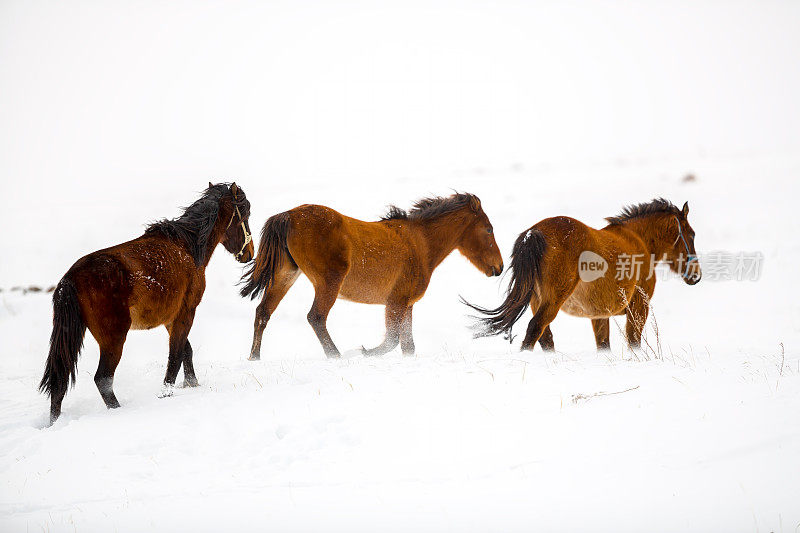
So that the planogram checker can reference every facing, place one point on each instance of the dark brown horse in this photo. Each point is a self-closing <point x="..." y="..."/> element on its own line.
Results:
<point x="156" y="279"/>
<point x="388" y="262"/>
<point x="562" y="264"/>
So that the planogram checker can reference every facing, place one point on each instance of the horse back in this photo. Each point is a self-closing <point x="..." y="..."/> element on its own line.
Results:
<point x="569" y="238"/>
<point x="371" y="256"/>
<point x="144" y="281"/>
<point x="592" y="293"/>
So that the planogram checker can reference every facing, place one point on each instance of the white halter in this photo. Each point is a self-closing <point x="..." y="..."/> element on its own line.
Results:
<point x="247" y="237"/>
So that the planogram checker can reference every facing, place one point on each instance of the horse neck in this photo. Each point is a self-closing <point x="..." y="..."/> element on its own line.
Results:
<point x="442" y="235"/>
<point x="220" y="226"/>
<point x="653" y="231"/>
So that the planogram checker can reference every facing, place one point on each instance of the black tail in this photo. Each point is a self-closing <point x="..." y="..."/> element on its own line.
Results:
<point x="272" y="251"/>
<point x="66" y="341"/>
<point x="526" y="262"/>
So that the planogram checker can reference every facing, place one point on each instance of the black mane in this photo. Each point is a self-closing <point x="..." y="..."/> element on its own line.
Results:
<point x="429" y="208"/>
<point x="193" y="227"/>
<point x="658" y="205"/>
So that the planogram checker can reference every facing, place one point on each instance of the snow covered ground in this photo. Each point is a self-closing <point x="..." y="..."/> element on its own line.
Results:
<point x="468" y="435"/>
<point x="115" y="115"/>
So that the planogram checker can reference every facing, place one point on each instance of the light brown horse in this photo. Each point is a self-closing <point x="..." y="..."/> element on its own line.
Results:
<point x="388" y="262"/>
<point x="158" y="278"/>
<point x="562" y="264"/>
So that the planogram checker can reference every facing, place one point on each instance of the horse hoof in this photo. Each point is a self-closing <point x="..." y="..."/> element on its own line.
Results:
<point x="190" y="383"/>
<point x="254" y="358"/>
<point x="366" y="352"/>
<point x="167" y="391"/>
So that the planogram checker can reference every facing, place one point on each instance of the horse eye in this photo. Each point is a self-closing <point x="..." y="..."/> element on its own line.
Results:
<point x="490" y="231"/>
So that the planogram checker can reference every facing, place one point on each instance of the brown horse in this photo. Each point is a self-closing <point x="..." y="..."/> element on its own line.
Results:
<point x="388" y="262"/>
<point x="156" y="279"/>
<point x="560" y="263"/>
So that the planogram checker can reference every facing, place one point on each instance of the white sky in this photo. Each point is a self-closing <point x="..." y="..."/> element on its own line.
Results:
<point x="283" y="90"/>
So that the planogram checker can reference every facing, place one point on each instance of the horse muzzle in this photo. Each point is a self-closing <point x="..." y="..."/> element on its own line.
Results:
<point x="692" y="279"/>
<point x="693" y="273"/>
<point x="496" y="271"/>
<point x="245" y="256"/>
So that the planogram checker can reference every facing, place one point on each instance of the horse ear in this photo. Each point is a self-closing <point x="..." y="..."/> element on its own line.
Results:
<point x="685" y="209"/>
<point x="234" y="189"/>
<point x="210" y="184"/>
<point x="475" y="203"/>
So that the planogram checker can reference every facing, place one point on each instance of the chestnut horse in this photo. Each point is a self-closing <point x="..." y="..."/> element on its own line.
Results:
<point x="388" y="262"/>
<point x="562" y="264"/>
<point x="156" y="279"/>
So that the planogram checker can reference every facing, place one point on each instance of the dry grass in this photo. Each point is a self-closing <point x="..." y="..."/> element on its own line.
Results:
<point x="651" y="347"/>
<point x="585" y="397"/>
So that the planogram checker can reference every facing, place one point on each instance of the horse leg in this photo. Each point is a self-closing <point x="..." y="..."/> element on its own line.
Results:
<point x="189" y="377"/>
<point x="324" y="297"/>
<point x="406" y="338"/>
<point x="110" y="354"/>
<point x="178" y="334"/>
<point x="636" y="314"/>
<point x="602" y="332"/>
<point x="394" y="319"/>
<point x="541" y="320"/>
<point x="57" y="396"/>
<point x="545" y="309"/>
<point x="546" y="340"/>
<point x="280" y="285"/>
<point x="545" y="306"/>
